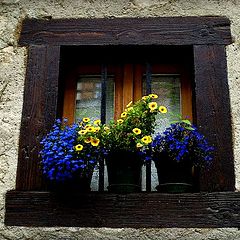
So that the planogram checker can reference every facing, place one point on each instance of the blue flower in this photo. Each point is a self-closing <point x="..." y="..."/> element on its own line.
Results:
<point x="179" y="143"/>
<point x="59" y="160"/>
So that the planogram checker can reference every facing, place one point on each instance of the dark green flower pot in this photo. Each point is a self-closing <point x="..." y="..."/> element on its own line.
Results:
<point x="173" y="176"/>
<point x="124" y="172"/>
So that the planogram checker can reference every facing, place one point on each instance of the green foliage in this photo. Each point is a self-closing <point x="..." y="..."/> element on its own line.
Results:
<point x="133" y="130"/>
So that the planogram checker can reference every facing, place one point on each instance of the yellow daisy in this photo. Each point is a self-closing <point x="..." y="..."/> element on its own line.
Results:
<point x="146" y="139"/>
<point x="139" y="145"/>
<point x="129" y="109"/>
<point x="96" y="129"/>
<point x="82" y="132"/>
<point x="97" y="122"/>
<point x="144" y="98"/>
<point x="90" y="129"/>
<point x="95" y="142"/>
<point x="79" y="147"/>
<point x="129" y="104"/>
<point x="152" y="106"/>
<point x="162" y="109"/>
<point x="120" y="121"/>
<point x="123" y="115"/>
<point x="106" y="128"/>
<point x="87" y="140"/>
<point x="152" y="95"/>
<point x="149" y="139"/>
<point x="137" y="131"/>
<point x="86" y="120"/>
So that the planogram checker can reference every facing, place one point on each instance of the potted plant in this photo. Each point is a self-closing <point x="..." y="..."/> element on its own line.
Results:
<point x="176" y="152"/>
<point x="124" y="141"/>
<point x="70" y="153"/>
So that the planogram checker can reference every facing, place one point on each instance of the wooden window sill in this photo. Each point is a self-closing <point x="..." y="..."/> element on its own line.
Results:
<point x="138" y="210"/>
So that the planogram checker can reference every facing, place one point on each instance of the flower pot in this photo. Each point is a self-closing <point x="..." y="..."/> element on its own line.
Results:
<point x="76" y="184"/>
<point x="173" y="176"/>
<point x="124" y="172"/>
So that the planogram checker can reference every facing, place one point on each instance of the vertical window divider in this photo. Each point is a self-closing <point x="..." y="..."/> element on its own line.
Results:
<point x="103" y="121"/>
<point x="148" y="91"/>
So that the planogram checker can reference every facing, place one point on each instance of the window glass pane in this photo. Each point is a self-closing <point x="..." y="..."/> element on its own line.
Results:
<point x="168" y="89"/>
<point x="88" y="97"/>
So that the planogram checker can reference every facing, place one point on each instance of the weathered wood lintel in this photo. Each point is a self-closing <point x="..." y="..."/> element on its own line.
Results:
<point x="127" y="31"/>
<point x="219" y="209"/>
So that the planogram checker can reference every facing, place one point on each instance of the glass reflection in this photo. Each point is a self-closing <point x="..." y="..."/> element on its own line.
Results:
<point x="88" y="97"/>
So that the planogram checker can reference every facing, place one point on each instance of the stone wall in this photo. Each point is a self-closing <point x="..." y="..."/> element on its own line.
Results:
<point x="12" y="73"/>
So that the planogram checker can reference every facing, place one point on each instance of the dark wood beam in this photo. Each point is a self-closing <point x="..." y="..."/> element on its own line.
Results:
<point x="214" y="115"/>
<point x="155" y="210"/>
<point x="39" y="112"/>
<point x="127" y="31"/>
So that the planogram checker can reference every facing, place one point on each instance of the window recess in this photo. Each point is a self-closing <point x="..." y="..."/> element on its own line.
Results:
<point x="102" y="91"/>
<point x="217" y="205"/>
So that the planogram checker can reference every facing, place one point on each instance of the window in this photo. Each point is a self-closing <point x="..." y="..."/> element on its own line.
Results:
<point x="207" y="37"/>
<point x="170" y="73"/>
<point x="126" y="69"/>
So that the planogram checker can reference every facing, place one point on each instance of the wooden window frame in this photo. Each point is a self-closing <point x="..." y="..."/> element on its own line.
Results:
<point x="30" y="205"/>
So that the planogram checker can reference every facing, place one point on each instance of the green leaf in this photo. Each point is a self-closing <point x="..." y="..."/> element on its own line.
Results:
<point x="186" y="121"/>
<point x="189" y="128"/>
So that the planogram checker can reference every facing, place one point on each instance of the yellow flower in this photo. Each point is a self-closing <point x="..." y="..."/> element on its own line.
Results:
<point x="139" y="145"/>
<point x="79" y="147"/>
<point x="129" y="104"/>
<point x="152" y="106"/>
<point x="90" y="129"/>
<point x="86" y="120"/>
<point x="95" y="142"/>
<point x="106" y="128"/>
<point x="152" y="95"/>
<point x="87" y="140"/>
<point x="162" y="109"/>
<point x="123" y="115"/>
<point x="82" y="132"/>
<point x="144" y="98"/>
<point x="120" y="121"/>
<point x="129" y="109"/>
<point x="147" y="139"/>
<point x="97" y="122"/>
<point x="96" y="129"/>
<point x="137" y="131"/>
